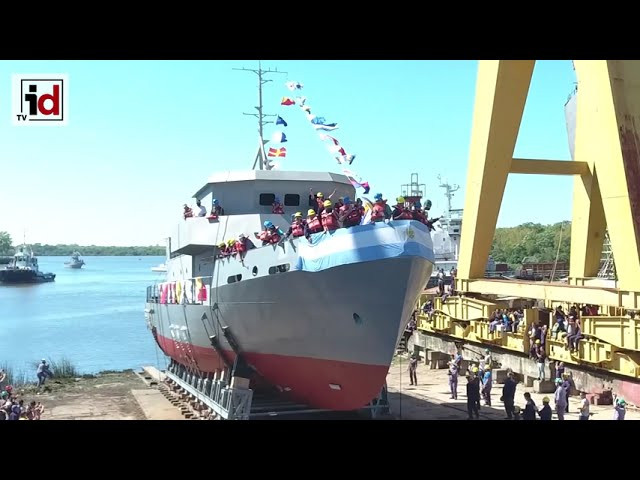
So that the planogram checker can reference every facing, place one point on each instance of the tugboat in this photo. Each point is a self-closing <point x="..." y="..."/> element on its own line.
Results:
<point x="75" y="262"/>
<point x="23" y="268"/>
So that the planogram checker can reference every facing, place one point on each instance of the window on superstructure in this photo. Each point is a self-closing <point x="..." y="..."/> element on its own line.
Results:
<point x="267" y="198"/>
<point x="234" y="278"/>
<point x="291" y="200"/>
<point x="285" y="267"/>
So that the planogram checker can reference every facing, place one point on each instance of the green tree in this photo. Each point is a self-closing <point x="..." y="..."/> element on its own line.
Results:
<point x="5" y="243"/>
<point x="533" y="240"/>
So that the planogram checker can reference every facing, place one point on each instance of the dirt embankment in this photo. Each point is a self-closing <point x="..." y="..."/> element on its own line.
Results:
<point x="106" y="396"/>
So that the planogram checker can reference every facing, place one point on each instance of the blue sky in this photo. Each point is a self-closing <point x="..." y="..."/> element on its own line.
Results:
<point x="143" y="137"/>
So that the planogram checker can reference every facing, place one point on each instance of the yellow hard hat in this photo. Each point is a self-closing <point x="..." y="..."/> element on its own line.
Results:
<point x="222" y="245"/>
<point x="474" y="369"/>
<point x="231" y="242"/>
<point x="319" y="194"/>
<point x="327" y="203"/>
<point x="400" y="199"/>
<point x="538" y="342"/>
<point x="487" y="367"/>
<point x="545" y="400"/>
<point x="311" y="212"/>
<point x="298" y="214"/>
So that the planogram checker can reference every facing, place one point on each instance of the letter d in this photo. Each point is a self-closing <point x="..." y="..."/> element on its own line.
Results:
<point x="55" y="98"/>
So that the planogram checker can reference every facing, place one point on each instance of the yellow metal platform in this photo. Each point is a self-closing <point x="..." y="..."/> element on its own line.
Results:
<point x="606" y="171"/>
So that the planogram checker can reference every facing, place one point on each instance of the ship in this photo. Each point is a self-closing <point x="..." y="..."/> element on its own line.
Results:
<point x="75" y="261"/>
<point x="447" y="229"/>
<point x="23" y="268"/>
<point x="162" y="268"/>
<point x="316" y="320"/>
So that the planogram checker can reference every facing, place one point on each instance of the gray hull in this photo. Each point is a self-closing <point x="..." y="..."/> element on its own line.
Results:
<point x="327" y="338"/>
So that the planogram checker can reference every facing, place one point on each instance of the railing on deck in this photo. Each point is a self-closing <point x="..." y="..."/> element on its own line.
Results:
<point x="191" y="292"/>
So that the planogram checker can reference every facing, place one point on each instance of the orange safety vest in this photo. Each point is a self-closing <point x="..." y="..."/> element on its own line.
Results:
<point x="353" y="216"/>
<point x="273" y="237"/>
<point x="314" y="225"/>
<point x="377" y="213"/>
<point x="297" y="229"/>
<point x="405" y="215"/>
<point x="277" y="208"/>
<point x="240" y="247"/>
<point x="330" y="220"/>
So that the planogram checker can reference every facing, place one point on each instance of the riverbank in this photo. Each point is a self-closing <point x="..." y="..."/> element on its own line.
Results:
<point x="105" y="396"/>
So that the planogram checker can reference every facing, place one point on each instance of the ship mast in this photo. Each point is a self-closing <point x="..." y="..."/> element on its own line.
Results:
<point x="260" y="156"/>
<point x="449" y="190"/>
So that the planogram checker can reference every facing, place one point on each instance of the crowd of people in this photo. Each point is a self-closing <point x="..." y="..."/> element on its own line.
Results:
<point x="327" y="216"/>
<point x="12" y="406"/>
<point x="479" y="385"/>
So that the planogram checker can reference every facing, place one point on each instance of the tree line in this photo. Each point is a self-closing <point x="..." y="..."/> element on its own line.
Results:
<point x="511" y="245"/>
<point x="39" y="249"/>
<point x="533" y="241"/>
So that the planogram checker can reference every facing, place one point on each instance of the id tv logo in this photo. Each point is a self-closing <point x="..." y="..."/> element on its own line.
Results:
<point x="40" y="99"/>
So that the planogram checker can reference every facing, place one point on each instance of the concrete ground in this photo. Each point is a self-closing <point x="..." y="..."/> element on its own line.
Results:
<point x="431" y="398"/>
<point x="106" y="397"/>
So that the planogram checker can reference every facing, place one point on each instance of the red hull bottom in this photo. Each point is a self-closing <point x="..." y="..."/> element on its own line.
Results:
<point x="308" y="379"/>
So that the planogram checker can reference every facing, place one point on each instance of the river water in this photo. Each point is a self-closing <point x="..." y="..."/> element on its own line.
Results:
<point x="93" y="316"/>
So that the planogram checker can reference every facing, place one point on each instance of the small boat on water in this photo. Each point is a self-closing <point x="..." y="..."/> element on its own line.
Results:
<point x="23" y="268"/>
<point x="160" y="268"/>
<point x="75" y="262"/>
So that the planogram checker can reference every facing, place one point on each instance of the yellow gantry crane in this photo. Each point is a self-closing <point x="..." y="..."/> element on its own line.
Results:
<point x="606" y="198"/>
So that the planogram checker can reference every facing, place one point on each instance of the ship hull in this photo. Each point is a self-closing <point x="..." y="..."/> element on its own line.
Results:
<point x="74" y="265"/>
<point x="325" y="338"/>
<point x="25" y="276"/>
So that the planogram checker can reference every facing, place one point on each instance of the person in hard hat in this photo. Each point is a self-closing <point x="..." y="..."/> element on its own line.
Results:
<point x="619" y="409"/>
<point x="318" y="199"/>
<point x="545" y="413"/>
<point x="378" y="210"/>
<point x="277" y="207"/>
<point x="400" y="211"/>
<point x="231" y="247"/>
<point x="222" y="250"/>
<point x="349" y="214"/>
<point x="487" y="383"/>
<point x="509" y="395"/>
<point x="216" y="209"/>
<point x="329" y="217"/>
<point x="473" y="394"/>
<point x="271" y="235"/>
<point x="313" y="224"/>
<point x="242" y="245"/>
<point x="297" y="227"/>
<point x="560" y="398"/>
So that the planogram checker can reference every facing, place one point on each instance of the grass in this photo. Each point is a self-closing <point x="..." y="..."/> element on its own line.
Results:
<point x="62" y="368"/>
<point x="14" y="377"/>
